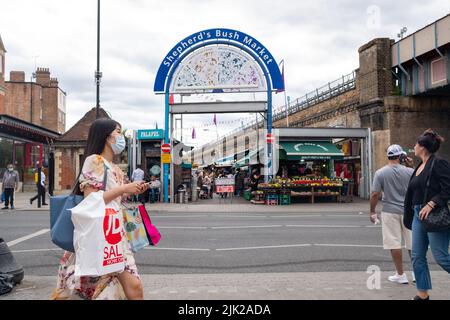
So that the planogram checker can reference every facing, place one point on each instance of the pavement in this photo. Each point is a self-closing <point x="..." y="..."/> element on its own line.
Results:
<point x="259" y="286"/>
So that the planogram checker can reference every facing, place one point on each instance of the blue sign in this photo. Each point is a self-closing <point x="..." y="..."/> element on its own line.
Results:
<point x="211" y="36"/>
<point x="152" y="134"/>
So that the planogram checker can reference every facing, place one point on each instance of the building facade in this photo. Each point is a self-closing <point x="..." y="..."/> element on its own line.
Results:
<point x="32" y="117"/>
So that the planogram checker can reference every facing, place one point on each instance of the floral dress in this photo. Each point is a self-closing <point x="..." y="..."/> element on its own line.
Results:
<point x="106" y="287"/>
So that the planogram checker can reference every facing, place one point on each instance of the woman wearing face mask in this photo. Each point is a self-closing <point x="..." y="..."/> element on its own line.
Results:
<point x="104" y="142"/>
<point x="418" y="208"/>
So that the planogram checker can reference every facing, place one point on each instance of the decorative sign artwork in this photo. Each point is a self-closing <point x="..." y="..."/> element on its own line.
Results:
<point x="218" y="69"/>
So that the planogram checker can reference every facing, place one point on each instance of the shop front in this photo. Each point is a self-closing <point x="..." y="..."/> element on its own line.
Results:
<point x="24" y="145"/>
<point x="149" y="151"/>
<point x="306" y="173"/>
<point x="316" y="165"/>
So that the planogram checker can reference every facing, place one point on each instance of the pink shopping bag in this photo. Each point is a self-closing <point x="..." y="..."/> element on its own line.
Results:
<point x="153" y="234"/>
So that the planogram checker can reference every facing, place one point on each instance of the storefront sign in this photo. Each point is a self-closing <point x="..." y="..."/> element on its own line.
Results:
<point x="152" y="134"/>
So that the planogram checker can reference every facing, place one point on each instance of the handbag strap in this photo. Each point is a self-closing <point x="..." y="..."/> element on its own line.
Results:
<point x="428" y="182"/>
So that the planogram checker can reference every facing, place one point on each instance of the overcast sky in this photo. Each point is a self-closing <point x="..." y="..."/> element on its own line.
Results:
<point x="318" y="40"/>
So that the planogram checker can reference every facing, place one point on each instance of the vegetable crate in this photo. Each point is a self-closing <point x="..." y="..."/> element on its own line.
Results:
<point x="272" y="199"/>
<point x="285" y="199"/>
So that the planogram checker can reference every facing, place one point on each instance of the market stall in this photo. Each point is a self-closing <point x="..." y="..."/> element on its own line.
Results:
<point x="284" y="190"/>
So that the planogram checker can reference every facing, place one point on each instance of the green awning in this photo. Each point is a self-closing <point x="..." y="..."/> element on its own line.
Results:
<point x="311" y="150"/>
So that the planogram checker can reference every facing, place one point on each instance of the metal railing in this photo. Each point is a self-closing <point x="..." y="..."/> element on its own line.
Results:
<point x="326" y="92"/>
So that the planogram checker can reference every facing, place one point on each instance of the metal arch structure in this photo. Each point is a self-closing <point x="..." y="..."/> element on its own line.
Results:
<point x="219" y="37"/>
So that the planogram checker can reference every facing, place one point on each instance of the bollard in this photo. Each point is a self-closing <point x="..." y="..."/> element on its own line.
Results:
<point x="8" y="264"/>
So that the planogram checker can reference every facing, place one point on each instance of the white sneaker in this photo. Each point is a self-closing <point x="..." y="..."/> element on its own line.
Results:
<point x="413" y="277"/>
<point x="402" y="279"/>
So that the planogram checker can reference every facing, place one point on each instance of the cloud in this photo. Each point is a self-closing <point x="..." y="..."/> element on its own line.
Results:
<point x="318" y="40"/>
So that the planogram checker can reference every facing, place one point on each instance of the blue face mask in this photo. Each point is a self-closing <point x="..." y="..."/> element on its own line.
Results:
<point x="119" y="145"/>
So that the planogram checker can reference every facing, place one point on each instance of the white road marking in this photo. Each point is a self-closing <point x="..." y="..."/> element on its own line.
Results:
<point x="168" y="216"/>
<point x="159" y="227"/>
<point x="36" y="250"/>
<point x="320" y="226"/>
<point x="266" y="247"/>
<point x="247" y="227"/>
<point x="347" y="245"/>
<point x="176" y="249"/>
<point x="28" y="237"/>
<point x="232" y="249"/>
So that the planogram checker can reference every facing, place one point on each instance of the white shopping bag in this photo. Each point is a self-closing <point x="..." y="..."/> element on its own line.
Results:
<point x="97" y="237"/>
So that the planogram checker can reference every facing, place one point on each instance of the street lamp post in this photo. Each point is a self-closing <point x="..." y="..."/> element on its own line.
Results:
<point x="98" y="74"/>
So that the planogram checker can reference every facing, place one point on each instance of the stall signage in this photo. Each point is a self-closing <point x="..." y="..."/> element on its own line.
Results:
<point x="224" y="182"/>
<point x="223" y="189"/>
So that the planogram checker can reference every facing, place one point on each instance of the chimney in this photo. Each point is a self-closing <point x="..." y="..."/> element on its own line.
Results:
<point x="54" y="82"/>
<point x="43" y="76"/>
<point x="17" y="76"/>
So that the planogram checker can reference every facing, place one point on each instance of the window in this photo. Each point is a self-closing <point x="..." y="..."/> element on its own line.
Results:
<point x="438" y="72"/>
<point x="1" y="63"/>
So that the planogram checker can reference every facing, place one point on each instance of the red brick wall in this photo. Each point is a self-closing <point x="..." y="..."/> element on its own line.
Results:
<point x="50" y="110"/>
<point x="18" y="101"/>
<point x="67" y="169"/>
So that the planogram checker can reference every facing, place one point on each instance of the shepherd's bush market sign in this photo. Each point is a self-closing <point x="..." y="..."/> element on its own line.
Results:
<point x="204" y="38"/>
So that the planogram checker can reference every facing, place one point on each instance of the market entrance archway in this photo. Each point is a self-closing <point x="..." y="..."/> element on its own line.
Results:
<point x="216" y="61"/>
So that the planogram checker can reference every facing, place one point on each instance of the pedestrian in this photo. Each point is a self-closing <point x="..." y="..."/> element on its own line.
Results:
<point x="40" y="185"/>
<point x="254" y="180"/>
<point x="10" y="183"/>
<point x="138" y="175"/>
<point x="155" y="186"/>
<point x="104" y="142"/>
<point x="239" y="182"/>
<point x="391" y="182"/>
<point x="418" y="208"/>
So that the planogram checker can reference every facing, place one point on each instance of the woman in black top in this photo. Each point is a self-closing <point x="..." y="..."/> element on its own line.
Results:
<point x="417" y="208"/>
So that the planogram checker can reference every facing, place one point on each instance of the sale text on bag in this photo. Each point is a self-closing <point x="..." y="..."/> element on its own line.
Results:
<point x="112" y="229"/>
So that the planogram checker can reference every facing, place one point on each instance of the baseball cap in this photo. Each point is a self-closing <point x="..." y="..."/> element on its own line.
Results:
<point x="395" y="150"/>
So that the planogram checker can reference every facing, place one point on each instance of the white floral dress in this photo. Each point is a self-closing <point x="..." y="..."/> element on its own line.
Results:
<point x="106" y="287"/>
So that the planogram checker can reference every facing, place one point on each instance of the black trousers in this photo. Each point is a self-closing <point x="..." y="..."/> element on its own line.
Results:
<point x="41" y="193"/>
<point x="9" y="197"/>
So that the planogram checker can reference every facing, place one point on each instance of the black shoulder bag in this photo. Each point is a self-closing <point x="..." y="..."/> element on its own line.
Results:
<point x="439" y="217"/>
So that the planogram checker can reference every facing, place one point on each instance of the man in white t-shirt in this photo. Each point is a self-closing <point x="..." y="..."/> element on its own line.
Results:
<point x="392" y="181"/>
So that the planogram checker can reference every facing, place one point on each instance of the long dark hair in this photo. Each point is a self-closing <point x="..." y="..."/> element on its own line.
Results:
<point x="99" y="131"/>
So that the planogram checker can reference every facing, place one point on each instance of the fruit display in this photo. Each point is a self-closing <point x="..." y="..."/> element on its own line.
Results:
<point x="301" y="182"/>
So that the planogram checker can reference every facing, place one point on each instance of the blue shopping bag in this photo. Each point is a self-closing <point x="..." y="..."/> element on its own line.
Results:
<point x="61" y="225"/>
